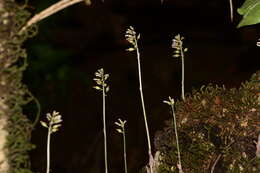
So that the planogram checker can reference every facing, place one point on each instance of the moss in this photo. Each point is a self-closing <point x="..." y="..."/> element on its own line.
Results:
<point x="214" y="123"/>
<point x="13" y="93"/>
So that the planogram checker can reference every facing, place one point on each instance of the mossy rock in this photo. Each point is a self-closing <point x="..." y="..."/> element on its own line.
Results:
<point x="216" y="126"/>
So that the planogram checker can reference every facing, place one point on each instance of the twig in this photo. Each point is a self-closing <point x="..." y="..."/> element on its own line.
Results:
<point x="51" y="10"/>
<point x="215" y="163"/>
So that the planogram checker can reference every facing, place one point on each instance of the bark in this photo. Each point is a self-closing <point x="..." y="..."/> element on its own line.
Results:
<point x="15" y="128"/>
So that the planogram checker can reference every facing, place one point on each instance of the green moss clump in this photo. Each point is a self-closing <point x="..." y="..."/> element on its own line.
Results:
<point x="216" y="127"/>
<point x="13" y="93"/>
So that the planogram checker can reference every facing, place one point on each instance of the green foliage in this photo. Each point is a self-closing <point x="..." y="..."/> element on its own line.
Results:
<point x="214" y="123"/>
<point x="251" y="13"/>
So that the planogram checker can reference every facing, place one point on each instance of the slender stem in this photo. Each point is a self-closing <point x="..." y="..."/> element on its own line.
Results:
<point x="231" y="10"/>
<point x="215" y="163"/>
<point x="35" y="122"/>
<point x="143" y="106"/>
<point x="125" y="161"/>
<point x="104" y="125"/>
<point x="177" y="139"/>
<point x="182" y="75"/>
<point x="48" y="148"/>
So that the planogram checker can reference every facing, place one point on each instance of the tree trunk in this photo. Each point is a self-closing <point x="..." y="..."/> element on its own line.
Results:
<point x="15" y="128"/>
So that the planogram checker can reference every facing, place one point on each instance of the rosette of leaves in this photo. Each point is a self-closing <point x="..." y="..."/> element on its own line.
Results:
<point x="218" y="131"/>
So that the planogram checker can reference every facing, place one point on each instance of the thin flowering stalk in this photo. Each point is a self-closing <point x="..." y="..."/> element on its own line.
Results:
<point x="54" y="122"/>
<point x="132" y="38"/>
<point x="121" y="125"/>
<point x="171" y="103"/>
<point x="100" y="80"/>
<point x="177" y="44"/>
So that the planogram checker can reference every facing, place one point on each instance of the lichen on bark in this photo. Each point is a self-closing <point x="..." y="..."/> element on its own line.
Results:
<point x="15" y="128"/>
<point x="218" y="130"/>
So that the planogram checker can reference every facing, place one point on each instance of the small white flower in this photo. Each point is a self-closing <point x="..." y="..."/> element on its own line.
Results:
<point x="100" y="80"/>
<point x="54" y="121"/>
<point x="258" y="43"/>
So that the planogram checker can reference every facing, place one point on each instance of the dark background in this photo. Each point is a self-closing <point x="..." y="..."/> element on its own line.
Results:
<point x="72" y="44"/>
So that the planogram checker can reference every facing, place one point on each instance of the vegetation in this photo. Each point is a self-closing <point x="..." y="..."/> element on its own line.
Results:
<point x="53" y="125"/>
<point x="15" y="127"/>
<point x="133" y="38"/>
<point x="100" y="79"/>
<point x="218" y="129"/>
<point x="121" y="125"/>
<point x="177" y="44"/>
<point x="250" y="11"/>
<point x="171" y="103"/>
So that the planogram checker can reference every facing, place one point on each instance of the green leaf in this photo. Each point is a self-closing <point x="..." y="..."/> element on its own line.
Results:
<point x="250" y="11"/>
